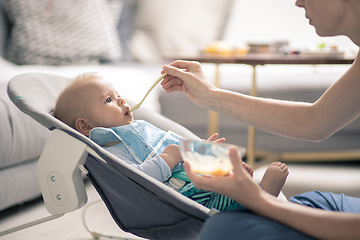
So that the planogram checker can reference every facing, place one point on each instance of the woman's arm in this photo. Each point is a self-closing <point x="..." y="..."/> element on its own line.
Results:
<point x="241" y="187"/>
<point x="318" y="223"/>
<point x="308" y="121"/>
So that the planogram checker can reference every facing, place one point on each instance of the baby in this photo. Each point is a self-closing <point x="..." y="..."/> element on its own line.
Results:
<point x="92" y="106"/>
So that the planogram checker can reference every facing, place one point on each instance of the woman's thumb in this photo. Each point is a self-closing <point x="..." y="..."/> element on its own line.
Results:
<point x="234" y="157"/>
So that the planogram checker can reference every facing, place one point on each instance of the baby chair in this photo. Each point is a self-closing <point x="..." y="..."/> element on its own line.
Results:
<point x="138" y="203"/>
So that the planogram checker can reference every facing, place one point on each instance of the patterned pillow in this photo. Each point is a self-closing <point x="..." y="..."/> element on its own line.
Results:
<point x="62" y="32"/>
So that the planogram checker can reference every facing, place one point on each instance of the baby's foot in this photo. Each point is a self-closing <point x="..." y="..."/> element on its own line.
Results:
<point x="248" y="168"/>
<point x="274" y="178"/>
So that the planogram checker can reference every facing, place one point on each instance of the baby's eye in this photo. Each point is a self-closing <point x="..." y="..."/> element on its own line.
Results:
<point x="108" y="100"/>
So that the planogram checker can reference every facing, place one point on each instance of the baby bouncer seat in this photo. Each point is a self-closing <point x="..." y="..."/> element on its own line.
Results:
<point x="138" y="203"/>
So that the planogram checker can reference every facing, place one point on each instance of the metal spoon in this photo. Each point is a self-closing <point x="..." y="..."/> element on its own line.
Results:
<point x="139" y="104"/>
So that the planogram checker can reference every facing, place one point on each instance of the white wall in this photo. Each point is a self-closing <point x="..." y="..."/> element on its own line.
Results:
<point x="273" y="20"/>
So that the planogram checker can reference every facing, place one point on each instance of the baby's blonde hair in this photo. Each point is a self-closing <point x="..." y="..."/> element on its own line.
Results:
<point x="69" y="107"/>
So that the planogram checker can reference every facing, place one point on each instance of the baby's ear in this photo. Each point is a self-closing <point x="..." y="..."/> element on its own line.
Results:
<point x="82" y="126"/>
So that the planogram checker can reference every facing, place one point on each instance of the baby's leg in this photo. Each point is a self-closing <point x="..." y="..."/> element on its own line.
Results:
<point x="274" y="178"/>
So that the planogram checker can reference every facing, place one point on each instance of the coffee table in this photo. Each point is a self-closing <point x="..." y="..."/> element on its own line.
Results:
<point x="255" y="60"/>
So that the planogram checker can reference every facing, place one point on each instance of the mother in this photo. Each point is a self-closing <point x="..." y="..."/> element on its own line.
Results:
<point x="304" y="216"/>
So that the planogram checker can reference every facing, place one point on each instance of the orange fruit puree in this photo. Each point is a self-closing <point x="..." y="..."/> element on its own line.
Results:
<point x="215" y="173"/>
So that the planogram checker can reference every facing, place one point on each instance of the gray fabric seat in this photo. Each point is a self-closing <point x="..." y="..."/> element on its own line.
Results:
<point x="138" y="203"/>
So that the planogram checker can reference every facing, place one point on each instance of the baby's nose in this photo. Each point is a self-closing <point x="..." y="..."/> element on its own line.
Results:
<point x="121" y="101"/>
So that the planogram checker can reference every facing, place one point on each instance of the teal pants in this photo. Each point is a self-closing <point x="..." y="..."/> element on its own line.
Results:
<point x="210" y="199"/>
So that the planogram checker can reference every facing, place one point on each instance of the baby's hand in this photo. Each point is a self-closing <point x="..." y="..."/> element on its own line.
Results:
<point x="213" y="138"/>
<point x="171" y="155"/>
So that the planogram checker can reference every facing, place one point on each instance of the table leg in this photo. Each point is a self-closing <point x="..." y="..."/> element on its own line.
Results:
<point x="251" y="130"/>
<point x="213" y="122"/>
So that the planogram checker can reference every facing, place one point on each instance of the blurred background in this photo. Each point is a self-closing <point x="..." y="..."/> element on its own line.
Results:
<point x="129" y="41"/>
<point x="262" y="21"/>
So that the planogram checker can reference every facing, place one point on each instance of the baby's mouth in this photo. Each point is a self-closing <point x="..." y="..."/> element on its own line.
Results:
<point x="128" y="113"/>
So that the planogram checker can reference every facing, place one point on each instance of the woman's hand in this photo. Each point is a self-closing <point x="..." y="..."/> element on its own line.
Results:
<point x="237" y="185"/>
<point x="189" y="78"/>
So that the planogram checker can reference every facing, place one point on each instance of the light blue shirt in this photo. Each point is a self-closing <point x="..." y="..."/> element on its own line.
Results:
<point x="141" y="144"/>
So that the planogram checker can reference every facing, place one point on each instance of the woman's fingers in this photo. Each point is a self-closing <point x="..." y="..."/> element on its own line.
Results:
<point x="235" y="159"/>
<point x="180" y="64"/>
<point x="205" y="183"/>
<point x="171" y="81"/>
<point x="192" y="176"/>
<point x="174" y="71"/>
<point x="182" y="69"/>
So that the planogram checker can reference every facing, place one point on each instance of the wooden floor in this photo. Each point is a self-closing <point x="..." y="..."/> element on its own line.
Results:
<point x="68" y="227"/>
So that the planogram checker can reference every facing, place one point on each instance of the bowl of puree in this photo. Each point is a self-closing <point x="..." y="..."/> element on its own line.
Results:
<point x="208" y="158"/>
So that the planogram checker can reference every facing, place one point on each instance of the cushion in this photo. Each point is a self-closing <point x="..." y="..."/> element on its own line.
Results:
<point x="165" y="27"/>
<point x="63" y="32"/>
<point x="4" y="28"/>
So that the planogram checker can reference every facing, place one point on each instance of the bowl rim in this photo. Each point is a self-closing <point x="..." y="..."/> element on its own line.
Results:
<point x="243" y="149"/>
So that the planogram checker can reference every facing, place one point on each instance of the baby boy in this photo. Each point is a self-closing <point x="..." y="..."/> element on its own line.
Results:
<point x="92" y="106"/>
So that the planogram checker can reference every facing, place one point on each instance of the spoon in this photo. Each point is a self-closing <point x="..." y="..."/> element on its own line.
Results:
<point x="139" y="104"/>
